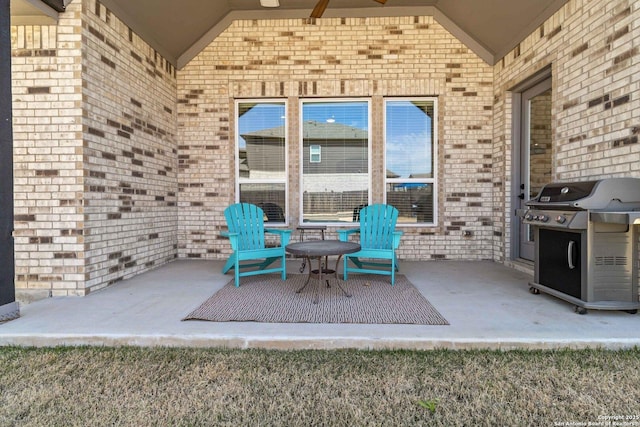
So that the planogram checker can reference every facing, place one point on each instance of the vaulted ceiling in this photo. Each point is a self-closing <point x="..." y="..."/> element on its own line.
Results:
<point x="179" y="30"/>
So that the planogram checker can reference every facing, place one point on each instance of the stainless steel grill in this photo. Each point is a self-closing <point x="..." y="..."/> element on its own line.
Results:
<point x="586" y="243"/>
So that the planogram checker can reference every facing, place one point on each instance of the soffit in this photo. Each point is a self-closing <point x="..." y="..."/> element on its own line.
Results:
<point x="180" y="29"/>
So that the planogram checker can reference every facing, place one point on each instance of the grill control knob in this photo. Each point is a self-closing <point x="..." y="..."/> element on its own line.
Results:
<point x="544" y="218"/>
<point x="561" y="219"/>
<point x="528" y="217"/>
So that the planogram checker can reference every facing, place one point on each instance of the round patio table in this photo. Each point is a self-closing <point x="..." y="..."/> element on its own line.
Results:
<point x="317" y="249"/>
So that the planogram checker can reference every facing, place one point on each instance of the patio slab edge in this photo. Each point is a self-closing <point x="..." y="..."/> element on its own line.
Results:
<point x="311" y="343"/>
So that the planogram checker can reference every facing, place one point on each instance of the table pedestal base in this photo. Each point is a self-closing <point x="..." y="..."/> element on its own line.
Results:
<point x="318" y="276"/>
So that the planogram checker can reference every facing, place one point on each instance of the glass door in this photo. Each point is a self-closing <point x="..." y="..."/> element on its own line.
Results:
<point x="535" y="154"/>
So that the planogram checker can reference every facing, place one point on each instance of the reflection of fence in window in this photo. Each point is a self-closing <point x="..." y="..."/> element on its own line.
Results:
<point x="332" y="206"/>
<point x="272" y="202"/>
<point x="413" y="201"/>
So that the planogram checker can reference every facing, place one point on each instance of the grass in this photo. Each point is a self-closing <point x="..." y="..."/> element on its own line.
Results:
<point x="82" y="386"/>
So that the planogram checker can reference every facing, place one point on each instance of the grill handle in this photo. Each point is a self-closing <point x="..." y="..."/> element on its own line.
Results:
<point x="570" y="248"/>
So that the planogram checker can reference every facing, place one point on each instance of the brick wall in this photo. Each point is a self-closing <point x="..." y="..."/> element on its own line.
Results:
<point x="130" y="154"/>
<point x="47" y="132"/>
<point x="359" y="57"/>
<point x="592" y="50"/>
<point x="95" y="154"/>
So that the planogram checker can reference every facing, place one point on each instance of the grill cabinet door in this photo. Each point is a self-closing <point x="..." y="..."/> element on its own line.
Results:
<point x="559" y="261"/>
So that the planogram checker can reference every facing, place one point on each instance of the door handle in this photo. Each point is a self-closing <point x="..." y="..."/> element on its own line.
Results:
<point x="570" y="248"/>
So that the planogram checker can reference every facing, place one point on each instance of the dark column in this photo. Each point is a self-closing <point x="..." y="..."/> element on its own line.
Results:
<point x="8" y="306"/>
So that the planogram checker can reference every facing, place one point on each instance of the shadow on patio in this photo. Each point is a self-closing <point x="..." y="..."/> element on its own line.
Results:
<point x="487" y="305"/>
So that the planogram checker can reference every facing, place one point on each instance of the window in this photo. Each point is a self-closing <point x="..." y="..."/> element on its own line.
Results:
<point x="410" y="155"/>
<point x="315" y="154"/>
<point x="261" y="156"/>
<point x="334" y="188"/>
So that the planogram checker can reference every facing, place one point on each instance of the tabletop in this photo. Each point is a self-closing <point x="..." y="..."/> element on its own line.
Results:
<point x="315" y="248"/>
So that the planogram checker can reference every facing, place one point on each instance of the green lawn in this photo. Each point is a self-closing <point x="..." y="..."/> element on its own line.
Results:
<point x="192" y="387"/>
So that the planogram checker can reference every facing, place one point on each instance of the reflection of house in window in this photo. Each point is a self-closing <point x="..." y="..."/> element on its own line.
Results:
<point x="315" y="154"/>
<point x="339" y="182"/>
<point x="243" y="167"/>
<point x="344" y="147"/>
<point x="264" y="156"/>
<point x="262" y="171"/>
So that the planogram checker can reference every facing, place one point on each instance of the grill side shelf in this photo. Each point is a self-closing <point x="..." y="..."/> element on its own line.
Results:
<point x="616" y="217"/>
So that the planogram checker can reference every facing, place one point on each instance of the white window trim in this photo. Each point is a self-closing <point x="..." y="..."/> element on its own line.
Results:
<point x="434" y="179"/>
<point x="317" y="151"/>
<point x="285" y="179"/>
<point x="301" y="154"/>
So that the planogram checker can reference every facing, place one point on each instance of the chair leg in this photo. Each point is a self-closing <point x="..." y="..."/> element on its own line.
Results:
<point x="231" y="261"/>
<point x="236" y="273"/>
<point x="284" y="267"/>
<point x="345" y="261"/>
<point x="393" y="272"/>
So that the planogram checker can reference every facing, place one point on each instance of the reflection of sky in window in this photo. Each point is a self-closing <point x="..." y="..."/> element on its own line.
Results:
<point x="408" y="127"/>
<point x="408" y="139"/>
<point x="352" y="114"/>
<point x="256" y="117"/>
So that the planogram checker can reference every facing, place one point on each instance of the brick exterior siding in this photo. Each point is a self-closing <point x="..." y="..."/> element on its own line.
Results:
<point x="340" y="58"/>
<point x="95" y="154"/>
<point x="590" y="47"/>
<point x="123" y="163"/>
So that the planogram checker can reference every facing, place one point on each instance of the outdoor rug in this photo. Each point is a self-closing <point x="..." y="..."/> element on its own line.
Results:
<point x="268" y="299"/>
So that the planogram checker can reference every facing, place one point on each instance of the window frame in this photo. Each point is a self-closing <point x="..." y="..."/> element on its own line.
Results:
<point x="433" y="181"/>
<point x="317" y="152"/>
<point x="285" y="179"/>
<point x="304" y="101"/>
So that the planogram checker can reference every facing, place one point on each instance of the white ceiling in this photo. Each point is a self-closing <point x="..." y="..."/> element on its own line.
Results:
<point x="31" y="12"/>
<point x="180" y="29"/>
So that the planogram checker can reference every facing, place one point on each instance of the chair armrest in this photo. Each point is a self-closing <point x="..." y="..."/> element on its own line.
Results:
<point x="396" y="238"/>
<point x="233" y="238"/>
<point x="343" y="235"/>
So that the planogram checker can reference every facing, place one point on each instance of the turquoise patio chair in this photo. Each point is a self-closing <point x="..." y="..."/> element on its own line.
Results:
<point x="247" y="236"/>
<point x="378" y="241"/>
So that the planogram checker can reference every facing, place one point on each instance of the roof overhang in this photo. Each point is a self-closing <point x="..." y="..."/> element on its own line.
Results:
<point x="36" y="12"/>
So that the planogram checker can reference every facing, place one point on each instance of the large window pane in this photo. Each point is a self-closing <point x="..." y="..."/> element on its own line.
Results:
<point x="413" y="200"/>
<point x="410" y="159"/>
<point x="335" y="160"/>
<point x="270" y="197"/>
<point x="261" y="156"/>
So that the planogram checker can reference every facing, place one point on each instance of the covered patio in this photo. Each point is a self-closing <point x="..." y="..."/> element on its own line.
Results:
<point x="487" y="305"/>
<point x="127" y="144"/>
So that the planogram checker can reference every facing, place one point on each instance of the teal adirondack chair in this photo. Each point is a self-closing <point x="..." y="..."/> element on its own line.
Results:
<point x="378" y="241"/>
<point x="247" y="236"/>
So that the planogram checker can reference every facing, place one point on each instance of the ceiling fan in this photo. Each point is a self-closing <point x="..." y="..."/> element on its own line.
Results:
<point x="317" y="11"/>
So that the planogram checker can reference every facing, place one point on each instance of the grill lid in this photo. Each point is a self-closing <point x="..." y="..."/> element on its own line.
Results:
<point x="605" y="194"/>
<point x="565" y="192"/>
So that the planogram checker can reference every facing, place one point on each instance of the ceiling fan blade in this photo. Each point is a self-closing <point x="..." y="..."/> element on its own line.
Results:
<point x="381" y="1"/>
<point x="320" y="8"/>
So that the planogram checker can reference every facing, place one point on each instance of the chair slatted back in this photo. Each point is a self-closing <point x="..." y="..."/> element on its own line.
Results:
<point x="248" y="221"/>
<point x="377" y="224"/>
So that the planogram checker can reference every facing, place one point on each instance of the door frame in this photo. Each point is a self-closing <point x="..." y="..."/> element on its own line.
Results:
<point x="516" y="154"/>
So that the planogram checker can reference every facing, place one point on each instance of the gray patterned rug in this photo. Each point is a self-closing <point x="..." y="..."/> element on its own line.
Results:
<point x="268" y="299"/>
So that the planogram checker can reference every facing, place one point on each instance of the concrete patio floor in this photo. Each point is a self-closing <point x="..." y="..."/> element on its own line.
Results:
<point x="487" y="305"/>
